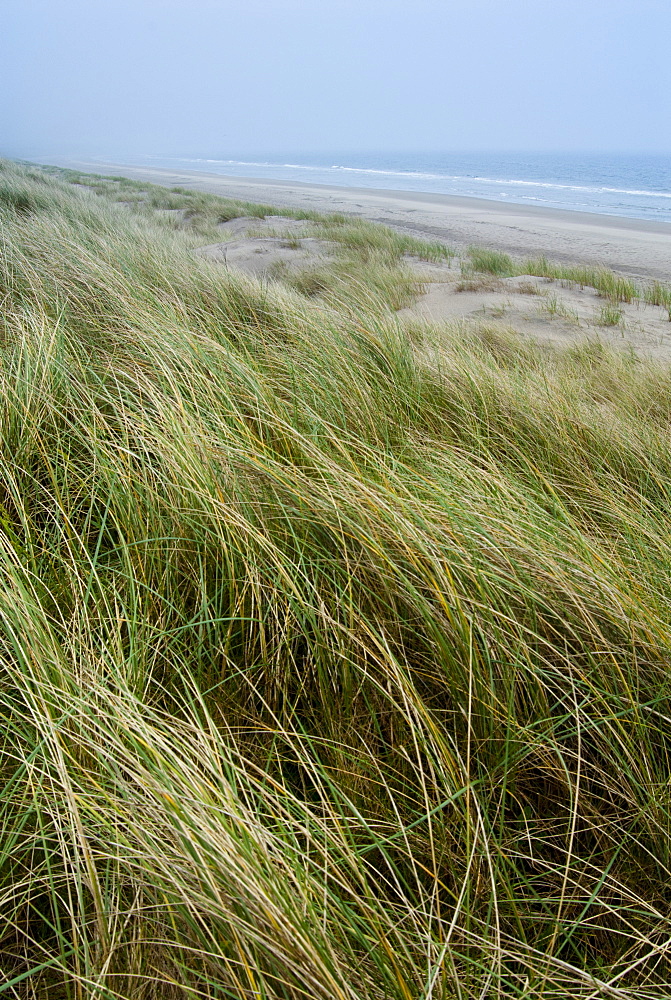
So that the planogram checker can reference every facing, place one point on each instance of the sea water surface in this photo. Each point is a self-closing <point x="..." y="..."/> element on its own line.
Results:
<point x="635" y="186"/>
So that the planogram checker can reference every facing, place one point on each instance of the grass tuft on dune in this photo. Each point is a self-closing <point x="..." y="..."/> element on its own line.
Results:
<point x="335" y="663"/>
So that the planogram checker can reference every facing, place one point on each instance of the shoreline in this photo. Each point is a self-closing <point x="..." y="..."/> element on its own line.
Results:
<point x="635" y="247"/>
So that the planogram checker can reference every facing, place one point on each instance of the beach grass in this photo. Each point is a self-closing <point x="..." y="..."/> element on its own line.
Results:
<point x="609" y="315"/>
<point x="617" y="288"/>
<point x="612" y="286"/>
<point x="490" y="261"/>
<point x="335" y="659"/>
<point x="659" y="295"/>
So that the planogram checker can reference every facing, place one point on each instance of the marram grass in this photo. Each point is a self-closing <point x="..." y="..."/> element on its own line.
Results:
<point x="335" y="663"/>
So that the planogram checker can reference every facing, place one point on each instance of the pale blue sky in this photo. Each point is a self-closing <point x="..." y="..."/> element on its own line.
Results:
<point x="224" y="77"/>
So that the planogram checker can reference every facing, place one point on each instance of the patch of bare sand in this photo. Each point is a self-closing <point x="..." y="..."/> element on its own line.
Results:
<point x="269" y="257"/>
<point x="271" y="225"/>
<point x="548" y="311"/>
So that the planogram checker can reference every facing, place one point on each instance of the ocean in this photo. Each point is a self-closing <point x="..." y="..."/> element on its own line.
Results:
<point x="634" y="186"/>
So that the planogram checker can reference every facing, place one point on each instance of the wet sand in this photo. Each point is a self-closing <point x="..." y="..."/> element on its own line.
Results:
<point x="630" y="246"/>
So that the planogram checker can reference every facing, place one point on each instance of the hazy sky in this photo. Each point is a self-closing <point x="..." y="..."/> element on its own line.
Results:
<point x="224" y="77"/>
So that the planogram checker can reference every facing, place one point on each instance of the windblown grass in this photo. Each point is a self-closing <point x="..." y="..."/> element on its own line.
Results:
<point x="490" y="261"/>
<point x="333" y="666"/>
<point x="659" y="295"/>
<point x="609" y="315"/>
<point x="614" y="287"/>
<point x="369" y="274"/>
<point x="611" y="286"/>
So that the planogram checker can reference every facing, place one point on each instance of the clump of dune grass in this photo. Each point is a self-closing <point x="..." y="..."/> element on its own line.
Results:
<point x="369" y="238"/>
<point x="490" y="261"/>
<point x="609" y="315"/>
<point x="553" y="307"/>
<point x="659" y="295"/>
<point x="334" y="662"/>
<point x="615" y="287"/>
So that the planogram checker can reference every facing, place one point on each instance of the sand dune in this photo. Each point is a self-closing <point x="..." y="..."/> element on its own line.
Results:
<point x="549" y="311"/>
<point x="267" y="247"/>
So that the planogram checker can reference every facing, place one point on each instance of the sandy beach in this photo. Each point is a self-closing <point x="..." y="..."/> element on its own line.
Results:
<point x="631" y="246"/>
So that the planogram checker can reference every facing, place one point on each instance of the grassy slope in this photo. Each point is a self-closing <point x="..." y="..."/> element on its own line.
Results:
<point x="333" y="665"/>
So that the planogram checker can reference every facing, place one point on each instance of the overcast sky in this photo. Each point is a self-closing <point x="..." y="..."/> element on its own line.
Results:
<point x="225" y="77"/>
